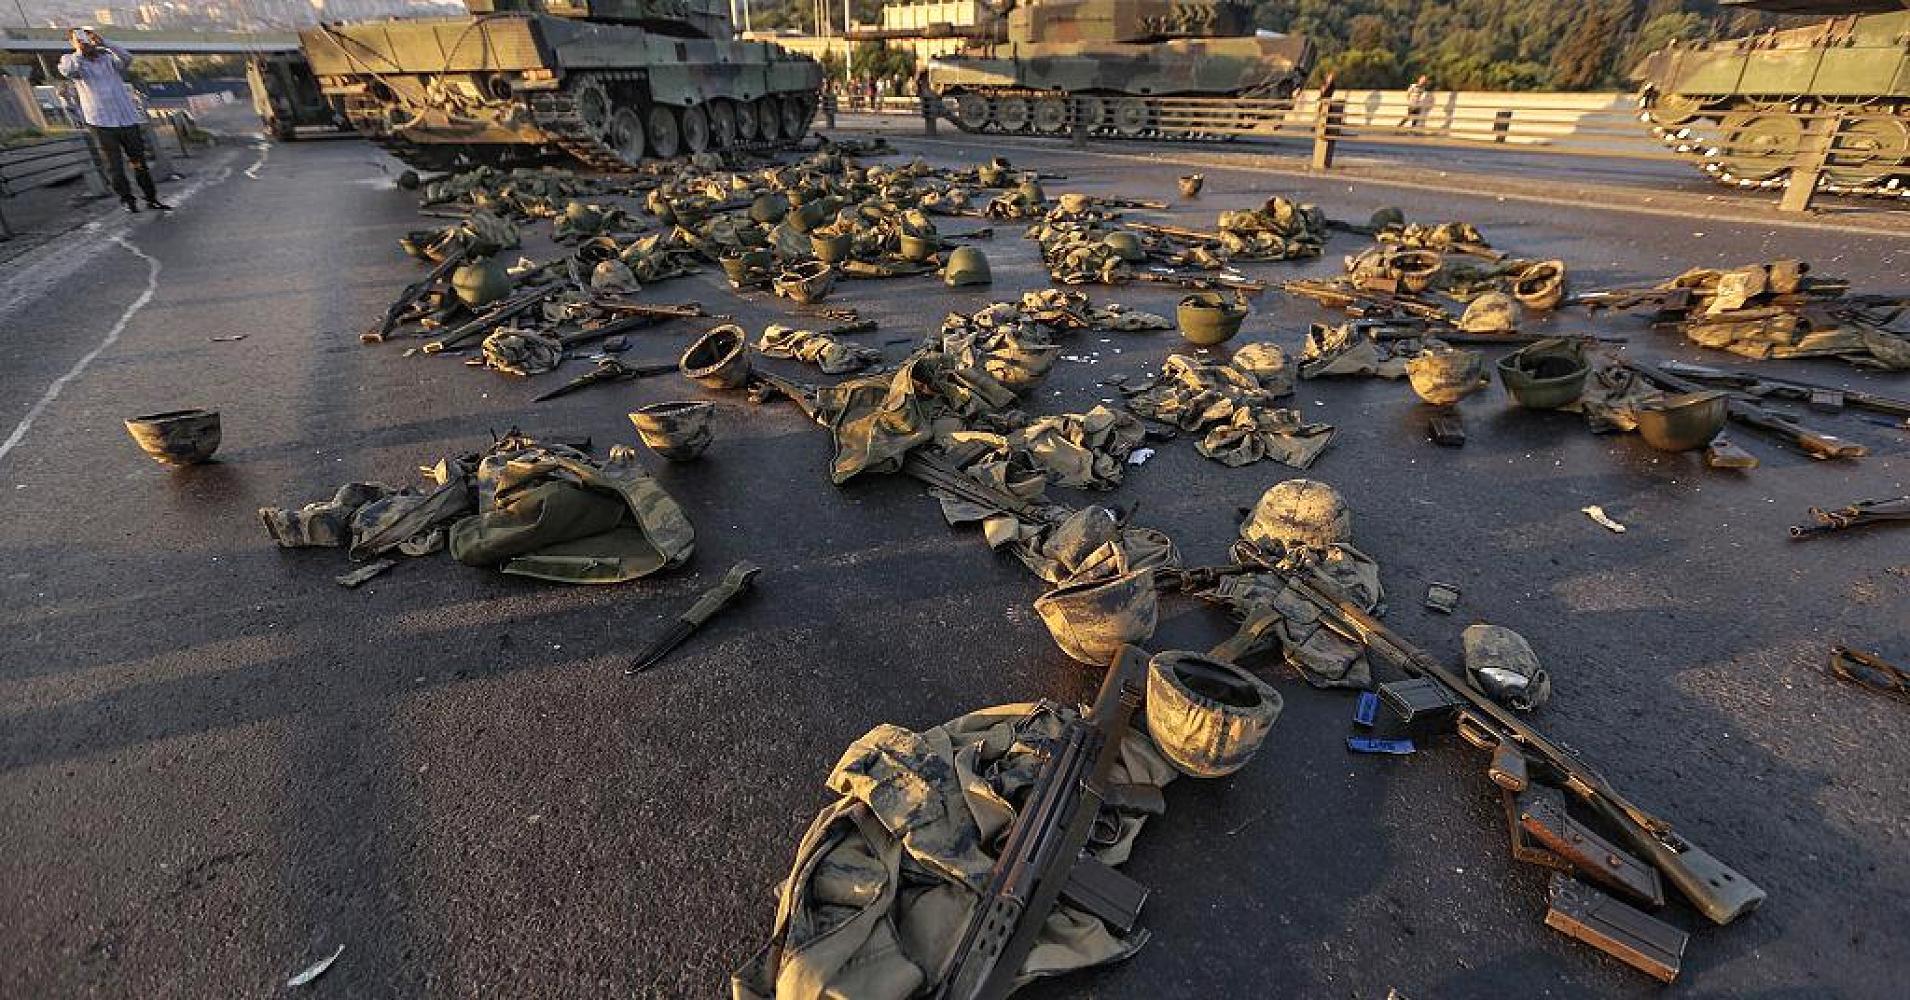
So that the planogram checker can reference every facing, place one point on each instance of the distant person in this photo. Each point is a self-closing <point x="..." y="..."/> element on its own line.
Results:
<point x="1419" y="101"/>
<point x="98" y="71"/>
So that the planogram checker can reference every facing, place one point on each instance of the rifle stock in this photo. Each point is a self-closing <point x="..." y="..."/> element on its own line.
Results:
<point x="1713" y="887"/>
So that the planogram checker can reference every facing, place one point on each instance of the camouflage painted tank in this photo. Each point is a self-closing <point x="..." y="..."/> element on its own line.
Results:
<point x="609" y="83"/>
<point x="1121" y="54"/>
<point x="1735" y="99"/>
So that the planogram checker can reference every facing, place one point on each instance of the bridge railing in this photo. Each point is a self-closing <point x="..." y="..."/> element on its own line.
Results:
<point x="1802" y="153"/>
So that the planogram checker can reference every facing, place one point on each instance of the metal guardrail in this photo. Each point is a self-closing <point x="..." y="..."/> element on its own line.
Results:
<point x="1803" y="153"/>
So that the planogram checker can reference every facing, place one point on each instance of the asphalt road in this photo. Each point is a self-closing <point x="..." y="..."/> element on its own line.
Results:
<point x="216" y="766"/>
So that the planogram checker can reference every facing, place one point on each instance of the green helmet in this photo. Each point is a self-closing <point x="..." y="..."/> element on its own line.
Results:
<point x="1682" y="422"/>
<point x="1210" y="318"/>
<point x="1126" y="246"/>
<point x="1299" y="512"/>
<point x="1030" y="191"/>
<point x="481" y="283"/>
<point x="966" y="266"/>
<point x="1386" y="218"/>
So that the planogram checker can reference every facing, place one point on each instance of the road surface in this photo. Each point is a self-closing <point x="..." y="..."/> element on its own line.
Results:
<point x="217" y="766"/>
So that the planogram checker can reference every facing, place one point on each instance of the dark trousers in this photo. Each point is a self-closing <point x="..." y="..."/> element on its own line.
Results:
<point x="118" y="146"/>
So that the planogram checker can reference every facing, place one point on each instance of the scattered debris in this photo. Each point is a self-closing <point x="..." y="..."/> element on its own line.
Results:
<point x="316" y="969"/>
<point x="1870" y="671"/>
<point x="1442" y="597"/>
<point x="1853" y="515"/>
<point x="364" y="574"/>
<point x="1597" y="513"/>
<point x="733" y="585"/>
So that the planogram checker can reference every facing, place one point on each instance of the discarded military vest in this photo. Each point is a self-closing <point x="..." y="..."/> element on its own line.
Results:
<point x="885" y="877"/>
<point x="551" y="512"/>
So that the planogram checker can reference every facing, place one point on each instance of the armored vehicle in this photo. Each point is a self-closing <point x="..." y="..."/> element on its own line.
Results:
<point x="1122" y="55"/>
<point x="287" y="98"/>
<point x="607" y="83"/>
<point x="1737" y="100"/>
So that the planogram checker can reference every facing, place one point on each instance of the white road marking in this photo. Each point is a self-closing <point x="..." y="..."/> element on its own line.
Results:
<point x="36" y="272"/>
<point x="265" y="153"/>
<point x="112" y="336"/>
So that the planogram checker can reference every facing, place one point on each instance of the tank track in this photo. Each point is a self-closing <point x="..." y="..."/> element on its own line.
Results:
<point x="1708" y="154"/>
<point x="555" y="111"/>
<point x="1103" y="131"/>
<point x="419" y="156"/>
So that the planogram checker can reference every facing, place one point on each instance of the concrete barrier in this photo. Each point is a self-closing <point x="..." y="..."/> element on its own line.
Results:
<point x="37" y="163"/>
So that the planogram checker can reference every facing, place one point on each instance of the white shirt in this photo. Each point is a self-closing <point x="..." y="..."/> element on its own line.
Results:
<point x="105" y="99"/>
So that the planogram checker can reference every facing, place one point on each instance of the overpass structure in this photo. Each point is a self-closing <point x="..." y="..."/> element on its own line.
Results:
<point x="47" y="41"/>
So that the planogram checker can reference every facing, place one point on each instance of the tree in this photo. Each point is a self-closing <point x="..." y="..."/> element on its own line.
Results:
<point x="1583" y="58"/>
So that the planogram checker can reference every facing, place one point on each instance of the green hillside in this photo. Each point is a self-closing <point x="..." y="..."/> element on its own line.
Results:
<point x="1492" y="44"/>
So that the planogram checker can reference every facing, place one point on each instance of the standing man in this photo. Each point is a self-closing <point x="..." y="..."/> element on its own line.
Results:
<point x="1419" y="101"/>
<point x="98" y="71"/>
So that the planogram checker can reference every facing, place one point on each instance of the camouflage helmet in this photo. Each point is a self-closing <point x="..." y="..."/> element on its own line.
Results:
<point x="1207" y="716"/>
<point x="1493" y="312"/>
<point x="966" y="266"/>
<point x="678" y="430"/>
<point x="1443" y="376"/>
<point x="1386" y="218"/>
<point x="1126" y="246"/>
<point x="1030" y="192"/>
<point x="1074" y="202"/>
<point x="769" y="209"/>
<point x="1091" y="621"/>
<point x="1299" y="512"/>
<point x="1540" y="286"/>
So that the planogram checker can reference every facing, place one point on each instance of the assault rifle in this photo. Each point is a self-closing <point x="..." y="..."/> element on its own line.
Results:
<point x="1534" y="770"/>
<point x="1041" y="861"/>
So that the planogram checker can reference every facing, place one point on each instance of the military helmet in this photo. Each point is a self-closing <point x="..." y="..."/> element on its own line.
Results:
<point x="1030" y="192"/>
<point x="1299" y="512"/>
<point x="769" y="209"/>
<point x="1207" y="716"/>
<point x="1074" y="202"/>
<point x="1443" y="376"/>
<point x="1386" y="218"/>
<point x="1091" y="621"/>
<point x="410" y="181"/>
<point x="481" y="283"/>
<point x="584" y="217"/>
<point x="966" y="266"/>
<point x="1126" y="246"/>
<point x="1540" y="286"/>
<point x="1493" y="312"/>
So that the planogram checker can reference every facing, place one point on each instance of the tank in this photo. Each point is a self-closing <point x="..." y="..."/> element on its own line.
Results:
<point x="1122" y="54"/>
<point x="287" y="97"/>
<point x="1734" y="99"/>
<point x="607" y="84"/>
